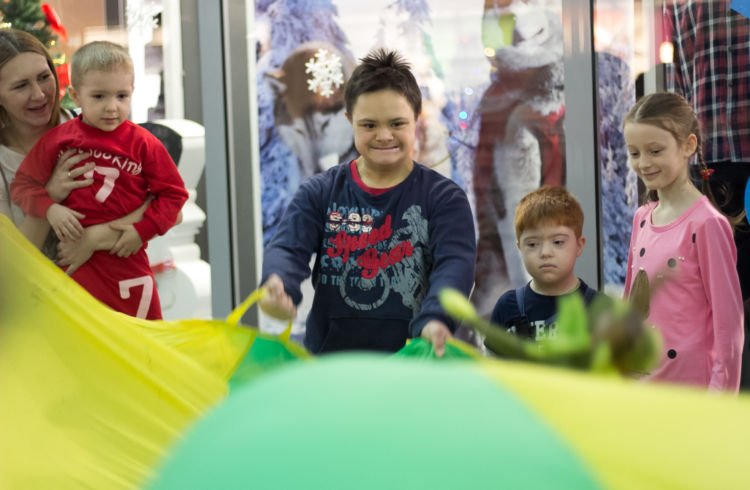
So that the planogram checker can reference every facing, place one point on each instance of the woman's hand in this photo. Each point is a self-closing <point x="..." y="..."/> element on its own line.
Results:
<point x="128" y="243"/>
<point x="63" y="178"/>
<point x="75" y="253"/>
<point x="103" y="236"/>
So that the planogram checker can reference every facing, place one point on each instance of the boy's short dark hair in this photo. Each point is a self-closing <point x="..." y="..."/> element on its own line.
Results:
<point x="549" y="205"/>
<point x="383" y="70"/>
<point x="98" y="56"/>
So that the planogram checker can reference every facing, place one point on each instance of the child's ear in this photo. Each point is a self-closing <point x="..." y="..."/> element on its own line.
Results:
<point x="581" y="244"/>
<point x="691" y="144"/>
<point x="348" y="117"/>
<point x="74" y="95"/>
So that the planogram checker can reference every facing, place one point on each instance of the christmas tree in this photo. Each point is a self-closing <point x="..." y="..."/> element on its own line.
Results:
<point x="27" y="15"/>
<point x="41" y="21"/>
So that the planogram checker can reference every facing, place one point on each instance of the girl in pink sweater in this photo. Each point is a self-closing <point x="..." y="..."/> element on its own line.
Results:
<point x="685" y="246"/>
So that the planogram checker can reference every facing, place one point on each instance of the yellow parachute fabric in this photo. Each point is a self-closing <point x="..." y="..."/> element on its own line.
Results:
<point x="89" y="397"/>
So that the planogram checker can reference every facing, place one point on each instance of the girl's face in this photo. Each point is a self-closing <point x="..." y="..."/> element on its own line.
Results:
<point x="657" y="157"/>
<point x="27" y="90"/>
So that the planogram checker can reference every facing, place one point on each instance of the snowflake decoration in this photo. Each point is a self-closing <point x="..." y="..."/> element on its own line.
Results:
<point x="142" y="15"/>
<point x="326" y="71"/>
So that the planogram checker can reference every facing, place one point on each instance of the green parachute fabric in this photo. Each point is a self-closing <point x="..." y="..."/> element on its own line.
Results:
<point x="370" y="422"/>
<point x="420" y="348"/>
<point x="91" y="398"/>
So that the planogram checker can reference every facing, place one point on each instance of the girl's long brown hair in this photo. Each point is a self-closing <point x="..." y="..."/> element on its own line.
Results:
<point x="673" y="113"/>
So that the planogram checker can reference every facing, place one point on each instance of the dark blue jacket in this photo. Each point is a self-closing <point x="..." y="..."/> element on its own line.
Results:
<point x="380" y="259"/>
<point x="535" y="317"/>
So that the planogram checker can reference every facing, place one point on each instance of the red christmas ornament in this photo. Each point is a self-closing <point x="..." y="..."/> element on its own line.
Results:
<point x="54" y="22"/>
<point x="63" y="77"/>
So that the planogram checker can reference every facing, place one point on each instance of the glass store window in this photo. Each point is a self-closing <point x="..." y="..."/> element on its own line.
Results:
<point x="619" y="59"/>
<point x="493" y="115"/>
<point x="696" y="48"/>
<point x="138" y="24"/>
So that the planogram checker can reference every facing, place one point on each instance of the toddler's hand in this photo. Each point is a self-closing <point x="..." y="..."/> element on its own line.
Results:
<point x="65" y="222"/>
<point x="128" y="243"/>
<point x="275" y="302"/>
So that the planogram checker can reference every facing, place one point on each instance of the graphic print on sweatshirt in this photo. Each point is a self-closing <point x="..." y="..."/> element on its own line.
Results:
<point x="119" y="186"/>
<point x="368" y="263"/>
<point x="107" y="170"/>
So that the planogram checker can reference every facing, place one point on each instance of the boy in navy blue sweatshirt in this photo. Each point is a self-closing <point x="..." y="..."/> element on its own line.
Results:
<point x="388" y="233"/>
<point x="549" y="226"/>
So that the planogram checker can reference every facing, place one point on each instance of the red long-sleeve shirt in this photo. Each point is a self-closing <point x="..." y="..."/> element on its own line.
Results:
<point x="131" y="165"/>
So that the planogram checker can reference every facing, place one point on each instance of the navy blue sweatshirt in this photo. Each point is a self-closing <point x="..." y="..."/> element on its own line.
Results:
<point x="538" y="320"/>
<point x="380" y="259"/>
